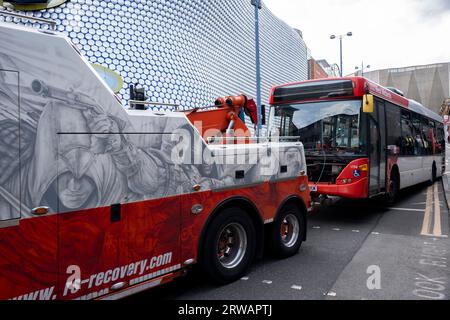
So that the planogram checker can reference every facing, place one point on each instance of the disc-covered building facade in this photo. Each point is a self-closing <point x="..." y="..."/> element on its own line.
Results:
<point x="183" y="52"/>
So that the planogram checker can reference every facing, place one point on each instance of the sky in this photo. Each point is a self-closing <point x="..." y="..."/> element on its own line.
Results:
<point x="386" y="33"/>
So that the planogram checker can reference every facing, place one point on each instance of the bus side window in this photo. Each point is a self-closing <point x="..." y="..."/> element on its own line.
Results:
<point x="428" y="136"/>
<point x="440" y="138"/>
<point x="407" y="140"/>
<point x="420" y="143"/>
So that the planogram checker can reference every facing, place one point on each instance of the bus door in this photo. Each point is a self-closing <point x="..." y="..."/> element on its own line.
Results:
<point x="377" y="149"/>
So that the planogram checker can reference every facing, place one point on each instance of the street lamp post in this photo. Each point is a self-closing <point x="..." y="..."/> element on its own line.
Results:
<point x="362" y="68"/>
<point x="257" y="4"/>
<point x="332" y="37"/>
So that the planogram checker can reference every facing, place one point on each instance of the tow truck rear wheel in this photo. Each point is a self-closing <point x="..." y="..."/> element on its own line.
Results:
<point x="287" y="232"/>
<point x="229" y="246"/>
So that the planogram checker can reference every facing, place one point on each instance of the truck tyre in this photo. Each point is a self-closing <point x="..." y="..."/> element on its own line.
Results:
<point x="229" y="246"/>
<point x="287" y="232"/>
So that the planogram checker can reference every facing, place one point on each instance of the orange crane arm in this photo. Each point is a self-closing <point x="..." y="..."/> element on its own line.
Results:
<point x="222" y="120"/>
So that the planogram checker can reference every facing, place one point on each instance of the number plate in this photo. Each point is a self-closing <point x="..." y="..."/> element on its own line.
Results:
<point x="313" y="188"/>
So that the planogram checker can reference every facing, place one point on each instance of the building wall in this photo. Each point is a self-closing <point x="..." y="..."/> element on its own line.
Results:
<point x="429" y="84"/>
<point x="315" y="70"/>
<point x="183" y="52"/>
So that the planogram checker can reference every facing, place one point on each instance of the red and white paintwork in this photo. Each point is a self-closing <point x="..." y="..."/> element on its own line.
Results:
<point x="36" y="253"/>
<point x="413" y="169"/>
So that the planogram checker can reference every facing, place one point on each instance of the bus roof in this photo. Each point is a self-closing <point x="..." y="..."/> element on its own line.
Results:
<point x="342" y="88"/>
<point x="419" y="108"/>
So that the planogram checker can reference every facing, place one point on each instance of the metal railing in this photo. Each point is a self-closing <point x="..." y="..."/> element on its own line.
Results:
<point x="207" y="108"/>
<point x="227" y="140"/>
<point x="51" y="23"/>
<point x="149" y="103"/>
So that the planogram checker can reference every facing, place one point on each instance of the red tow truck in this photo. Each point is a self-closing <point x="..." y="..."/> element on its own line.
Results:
<point x="99" y="202"/>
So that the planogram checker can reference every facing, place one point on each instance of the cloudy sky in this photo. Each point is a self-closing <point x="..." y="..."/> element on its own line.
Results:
<point x="387" y="33"/>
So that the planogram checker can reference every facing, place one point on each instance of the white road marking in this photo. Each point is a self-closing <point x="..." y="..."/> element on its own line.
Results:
<point x="295" y="287"/>
<point x="331" y="294"/>
<point x="439" y="237"/>
<point x="376" y="233"/>
<point x="426" y="194"/>
<point x="355" y="231"/>
<point x="424" y="203"/>
<point x="406" y="209"/>
<point x="316" y="227"/>
<point x="267" y="282"/>
<point x="245" y="278"/>
<point x="336" y="229"/>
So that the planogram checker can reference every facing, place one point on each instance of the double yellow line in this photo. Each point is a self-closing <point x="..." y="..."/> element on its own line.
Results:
<point x="432" y="223"/>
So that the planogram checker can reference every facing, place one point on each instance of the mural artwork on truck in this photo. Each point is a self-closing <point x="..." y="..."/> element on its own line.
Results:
<point x="67" y="143"/>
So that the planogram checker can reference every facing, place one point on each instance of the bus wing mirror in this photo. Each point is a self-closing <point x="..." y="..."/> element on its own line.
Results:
<point x="368" y="103"/>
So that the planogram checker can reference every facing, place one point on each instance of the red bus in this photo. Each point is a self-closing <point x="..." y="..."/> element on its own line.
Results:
<point x="98" y="201"/>
<point x="361" y="139"/>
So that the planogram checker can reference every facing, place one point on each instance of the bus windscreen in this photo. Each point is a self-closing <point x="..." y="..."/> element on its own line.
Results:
<point x="331" y="126"/>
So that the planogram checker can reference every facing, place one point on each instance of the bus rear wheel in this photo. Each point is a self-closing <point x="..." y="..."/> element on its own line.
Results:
<point x="394" y="188"/>
<point x="287" y="232"/>
<point x="433" y="174"/>
<point x="229" y="246"/>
